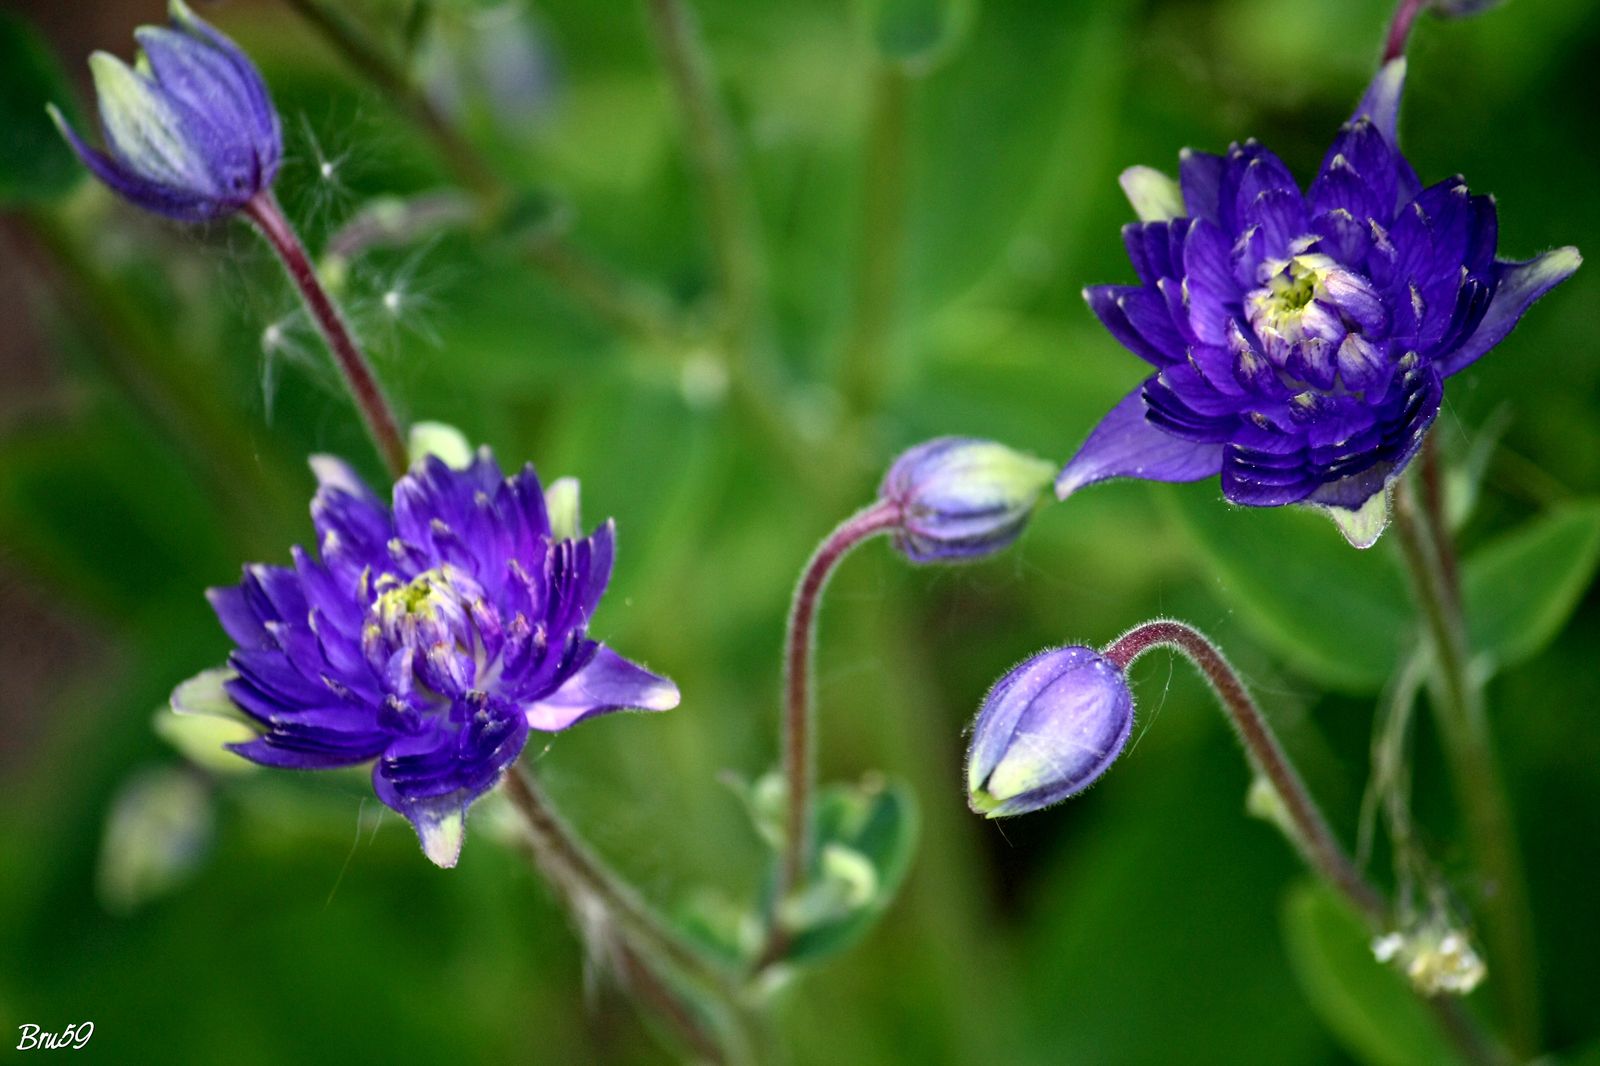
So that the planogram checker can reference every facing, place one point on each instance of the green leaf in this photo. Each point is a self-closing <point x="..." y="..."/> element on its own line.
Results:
<point x="1338" y="615"/>
<point x="1520" y="589"/>
<point x="866" y="835"/>
<point x="1368" y="1006"/>
<point x="35" y="163"/>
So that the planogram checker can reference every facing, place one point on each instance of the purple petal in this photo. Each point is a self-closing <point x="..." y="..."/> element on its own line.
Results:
<point x="1381" y="101"/>
<point x="1125" y="444"/>
<point x="1200" y="177"/>
<point x="1520" y="284"/>
<point x="150" y="195"/>
<point x="608" y="683"/>
<point x="1106" y="301"/>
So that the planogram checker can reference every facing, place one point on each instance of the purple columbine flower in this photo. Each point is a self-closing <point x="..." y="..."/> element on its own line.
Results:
<point x="960" y="498"/>
<point x="190" y="131"/>
<point x="429" y="638"/>
<point x="1301" y="339"/>
<point x="1047" y="730"/>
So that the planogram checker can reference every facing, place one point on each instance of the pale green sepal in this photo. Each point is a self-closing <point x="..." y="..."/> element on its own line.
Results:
<point x="1363" y="526"/>
<point x="201" y="719"/>
<point x="442" y="837"/>
<point x="444" y="442"/>
<point x="142" y="128"/>
<point x="561" y="504"/>
<point x="1155" y="197"/>
<point x="158" y="830"/>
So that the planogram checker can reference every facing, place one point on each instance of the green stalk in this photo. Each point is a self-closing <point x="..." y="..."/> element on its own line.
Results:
<point x="728" y="202"/>
<point x="1459" y="710"/>
<point x="866" y="359"/>
<point x="659" y="963"/>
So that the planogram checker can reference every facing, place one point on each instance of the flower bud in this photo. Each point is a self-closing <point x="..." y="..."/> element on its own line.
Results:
<point x="1046" y="731"/>
<point x="961" y="498"/>
<point x="190" y="131"/>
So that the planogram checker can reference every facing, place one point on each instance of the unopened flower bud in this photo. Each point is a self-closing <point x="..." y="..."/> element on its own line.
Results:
<point x="1046" y="731"/>
<point x="961" y="498"/>
<point x="190" y="131"/>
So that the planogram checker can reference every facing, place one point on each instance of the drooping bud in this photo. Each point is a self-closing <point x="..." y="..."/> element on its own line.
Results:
<point x="1047" y="730"/>
<point x="961" y="498"/>
<point x="190" y="131"/>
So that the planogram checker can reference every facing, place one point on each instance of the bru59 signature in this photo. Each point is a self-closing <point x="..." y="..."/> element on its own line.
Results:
<point x="73" y="1036"/>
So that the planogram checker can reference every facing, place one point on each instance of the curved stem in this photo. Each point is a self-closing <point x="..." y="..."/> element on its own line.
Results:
<point x="799" y="754"/>
<point x="1320" y="848"/>
<point x="735" y="241"/>
<point x="263" y="210"/>
<point x="1469" y="753"/>
<point x="646" y="942"/>
<point x="1400" y="28"/>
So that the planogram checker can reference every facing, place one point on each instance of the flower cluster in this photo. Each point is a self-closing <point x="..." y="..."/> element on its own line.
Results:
<point x="429" y="637"/>
<point x="1301" y="339"/>
<point x="190" y="131"/>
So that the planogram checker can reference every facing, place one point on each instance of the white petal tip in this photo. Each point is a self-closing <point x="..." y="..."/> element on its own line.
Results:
<point x="442" y="838"/>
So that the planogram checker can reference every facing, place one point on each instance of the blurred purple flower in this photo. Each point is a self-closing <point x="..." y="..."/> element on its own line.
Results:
<point x="190" y="131"/>
<point x="1301" y="340"/>
<point x="431" y="638"/>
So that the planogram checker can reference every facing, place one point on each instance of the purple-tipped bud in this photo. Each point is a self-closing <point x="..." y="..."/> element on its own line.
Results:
<point x="190" y="131"/>
<point x="1046" y="731"/>
<point x="961" y="498"/>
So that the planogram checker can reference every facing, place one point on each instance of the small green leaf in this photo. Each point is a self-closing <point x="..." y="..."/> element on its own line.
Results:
<point x="1520" y="590"/>
<point x="866" y="835"/>
<point x="1339" y="616"/>
<point x="35" y="163"/>
<point x="1368" y="1006"/>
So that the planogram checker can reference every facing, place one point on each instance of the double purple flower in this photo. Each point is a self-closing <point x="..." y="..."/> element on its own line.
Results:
<point x="430" y="638"/>
<point x="1301" y="339"/>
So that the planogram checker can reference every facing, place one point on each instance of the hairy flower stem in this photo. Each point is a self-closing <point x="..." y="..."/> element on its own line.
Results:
<point x="646" y="943"/>
<point x="1463" y="728"/>
<point x="263" y="210"/>
<point x="1400" y="28"/>
<point x="730" y="213"/>
<point x="799" y="741"/>
<point x="1321" y="849"/>
<point x="1315" y="840"/>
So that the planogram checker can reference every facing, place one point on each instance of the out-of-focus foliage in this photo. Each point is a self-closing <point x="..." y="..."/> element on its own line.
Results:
<point x="159" y="392"/>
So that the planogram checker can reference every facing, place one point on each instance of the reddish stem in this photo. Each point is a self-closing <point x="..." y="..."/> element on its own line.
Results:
<point x="1320" y="847"/>
<point x="1400" y="28"/>
<point x="269" y="219"/>
<point x="799" y="757"/>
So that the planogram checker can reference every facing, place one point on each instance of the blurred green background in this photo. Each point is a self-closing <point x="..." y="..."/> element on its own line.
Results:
<point x="925" y="230"/>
